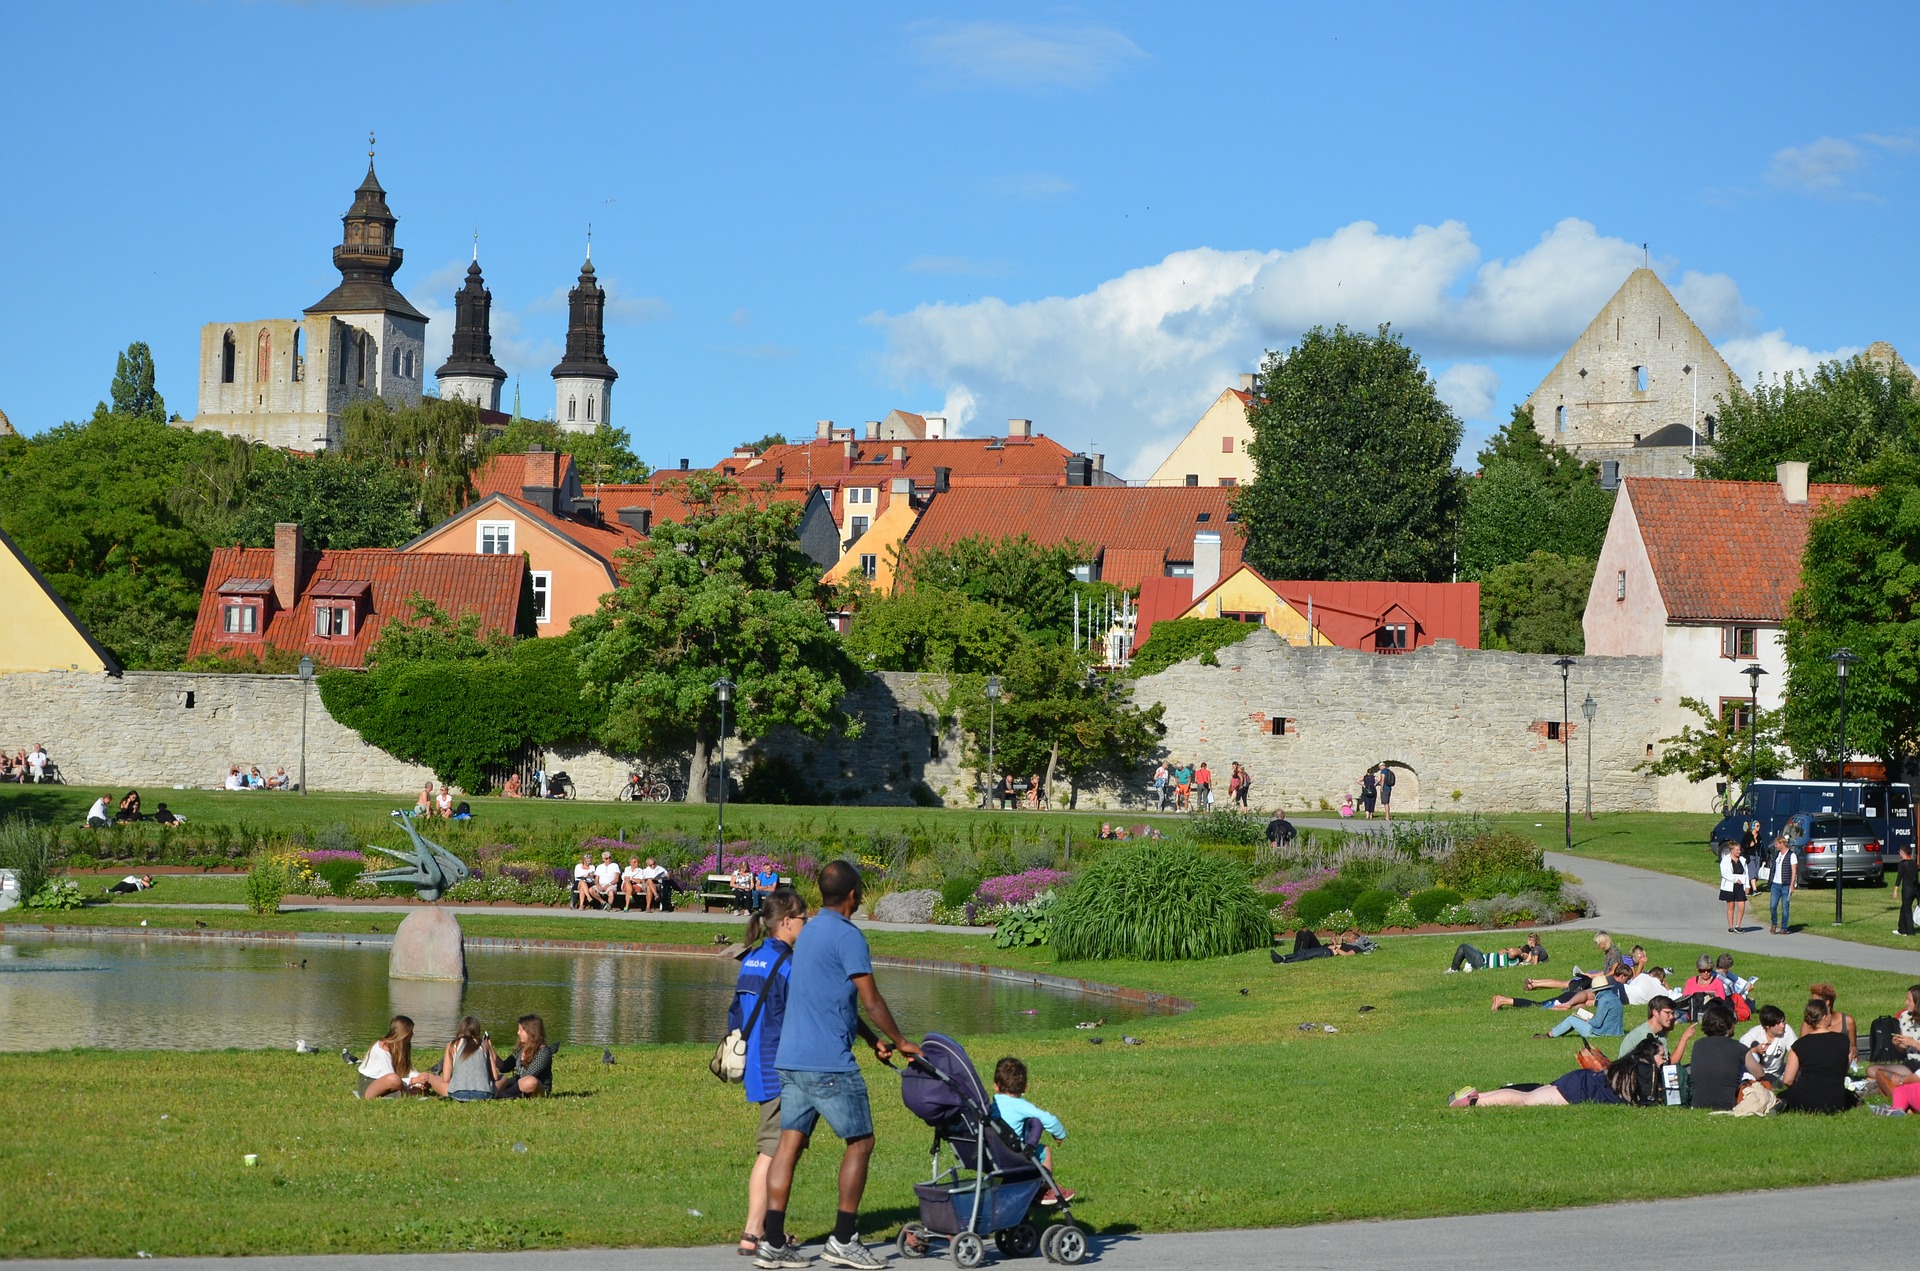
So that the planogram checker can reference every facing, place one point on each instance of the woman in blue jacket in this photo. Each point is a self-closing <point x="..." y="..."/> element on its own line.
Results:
<point x="763" y="973"/>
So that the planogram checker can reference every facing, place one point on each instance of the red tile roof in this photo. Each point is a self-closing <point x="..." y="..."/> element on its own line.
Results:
<point x="457" y="582"/>
<point x="1137" y="529"/>
<point x="1726" y="550"/>
<point x="974" y="460"/>
<point x="1347" y="613"/>
<point x="508" y="474"/>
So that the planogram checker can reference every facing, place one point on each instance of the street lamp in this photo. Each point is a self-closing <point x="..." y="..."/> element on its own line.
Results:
<point x="1566" y="754"/>
<point x="1753" y="674"/>
<point x="1589" y="709"/>
<point x="1842" y="659"/>
<point x="993" y="696"/>
<point x="306" y="685"/>
<point x="722" y="690"/>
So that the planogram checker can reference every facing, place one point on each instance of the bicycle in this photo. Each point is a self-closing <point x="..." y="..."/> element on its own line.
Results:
<point x="647" y="787"/>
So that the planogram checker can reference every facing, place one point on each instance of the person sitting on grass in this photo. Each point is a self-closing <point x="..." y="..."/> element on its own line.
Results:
<point x="423" y="806"/>
<point x="1623" y="1082"/>
<point x="1661" y="1017"/>
<point x="1010" y="1105"/>
<point x="1904" y="1076"/>
<point x="1816" y="1072"/>
<point x="129" y="809"/>
<point x="1719" y="1062"/>
<point x="1767" y="1043"/>
<point x="510" y="788"/>
<point x="279" y="780"/>
<point x="467" y="1070"/>
<point x="99" y="815"/>
<point x="1467" y="958"/>
<point x="1703" y="979"/>
<point x="526" y="1071"/>
<point x="388" y="1066"/>
<point x="1609" y="1008"/>
<point x="1826" y="993"/>
<point x="164" y="815"/>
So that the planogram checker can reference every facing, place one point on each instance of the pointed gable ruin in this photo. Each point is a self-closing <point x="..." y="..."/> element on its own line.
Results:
<point x="1639" y="388"/>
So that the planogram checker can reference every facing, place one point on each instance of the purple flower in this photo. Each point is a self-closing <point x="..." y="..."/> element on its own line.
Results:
<point x="332" y="854"/>
<point x="1018" y="889"/>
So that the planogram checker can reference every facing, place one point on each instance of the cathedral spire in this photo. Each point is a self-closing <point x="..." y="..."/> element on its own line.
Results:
<point x="470" y="371"/>
<point x="583" y="382"/>
<point x="367" y="257"/>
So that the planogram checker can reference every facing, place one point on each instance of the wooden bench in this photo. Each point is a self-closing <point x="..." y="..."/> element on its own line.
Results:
<point x="718" y="890"/>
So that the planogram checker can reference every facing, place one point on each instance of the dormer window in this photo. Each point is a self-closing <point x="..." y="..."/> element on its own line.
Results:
<point x="333" y="621"/>
<point x="243" y="604"/>
<point x="239" y="618"/>
<point x="336" y="606"/>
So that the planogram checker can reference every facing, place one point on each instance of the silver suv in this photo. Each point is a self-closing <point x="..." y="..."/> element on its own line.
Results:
<point x="1830" y="844"/>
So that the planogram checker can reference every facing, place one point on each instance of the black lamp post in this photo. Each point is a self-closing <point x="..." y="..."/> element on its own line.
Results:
<point x="993" y="697"/>
<point x="1753" y="674"/>
<point x="1588" y="709"/>
<point x="723" y="691"/>
<point x="306" y="691"/>
<point x="1566" y="753"/>
<point x="1842" y="659"/>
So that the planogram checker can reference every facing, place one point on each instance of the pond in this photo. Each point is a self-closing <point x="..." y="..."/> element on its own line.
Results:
<point x="168" y="994"/>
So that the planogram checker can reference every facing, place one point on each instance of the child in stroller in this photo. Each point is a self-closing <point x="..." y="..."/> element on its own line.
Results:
<point x="995" y="1176"/>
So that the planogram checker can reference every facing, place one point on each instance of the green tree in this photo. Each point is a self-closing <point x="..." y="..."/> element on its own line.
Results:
<point x="1717" y="749"/>
<point x="1838" y="420"/>
<point x="1859" y="590"/>
<point x="1353" y="455"/>
<point x="930" y="630"/>
<point x="1174" y="640"/>
<point x="727" y="593"/>
<point x="604" y="455"/>
<point x="1530" y="496"/>
<point x="90" y="505"/>
<point x="1536" y="605"/>
<point x="338" y="502"/>
<point x="436" y="444"/>
<point x="765" y="444"/>
<point x="1032" y="584"/>
<point x="212" y="491"/>
<point x="133" y="392"/>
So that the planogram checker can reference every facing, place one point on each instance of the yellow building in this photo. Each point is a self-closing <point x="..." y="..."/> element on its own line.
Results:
<point x="41" y="633"/>
<point x="1216" y="451"/>
<point x="1247" y="596"/>
<point x="874" y="552"/>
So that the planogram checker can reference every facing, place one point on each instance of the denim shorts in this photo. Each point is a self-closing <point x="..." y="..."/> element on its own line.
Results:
<point x="840" y="1097"/>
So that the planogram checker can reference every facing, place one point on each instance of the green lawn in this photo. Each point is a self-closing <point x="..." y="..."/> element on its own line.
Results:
<point x="1205" y="1125"/>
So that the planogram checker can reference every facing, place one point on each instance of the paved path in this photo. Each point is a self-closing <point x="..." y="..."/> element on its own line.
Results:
<point x="1858" y="1225"/>
<point x="543" y="911"/>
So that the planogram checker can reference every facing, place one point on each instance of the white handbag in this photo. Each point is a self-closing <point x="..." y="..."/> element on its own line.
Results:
<point x="729" y="1062"/>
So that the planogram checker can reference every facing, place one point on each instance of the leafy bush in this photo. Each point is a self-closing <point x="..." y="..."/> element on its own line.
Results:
<point x="1370" y="909"/>
<point x="1488" y="855"/>
<point x="1178" y="639"/>
<point x="28" y="850"/>
<point x="1024" y="926"/>
<point x="1342" y="890"/>
<point x="958" y="891"/>
<point x="1427" y="905"/>
<point x="1223" y="825"/>
<point x="1312" y="908"/>
<point x="267" y="882"/>
<point x="776" y="779"/>
<point x="1157" y="902"/>
<point x="337" y="872"/>
<point x="56" y="894"/>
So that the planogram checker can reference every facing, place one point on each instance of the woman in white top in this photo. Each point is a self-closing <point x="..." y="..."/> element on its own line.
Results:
<point x="1734" y="878"/>
<point x="388" y="1067"/>
<point x="633" y="882"/>
<point x="583" y="881"/>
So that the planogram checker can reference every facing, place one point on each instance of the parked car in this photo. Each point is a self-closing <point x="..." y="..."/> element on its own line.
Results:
<point x="1831" y="845"/>
<point x="1887" y="806"/>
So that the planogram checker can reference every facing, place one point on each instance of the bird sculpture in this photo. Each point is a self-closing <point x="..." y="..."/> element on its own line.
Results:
<point x="431" y="870"/>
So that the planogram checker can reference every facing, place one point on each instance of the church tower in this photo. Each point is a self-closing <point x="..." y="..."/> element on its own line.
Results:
<point x="583" y="382"/>
<point x="383" y="351"/>
<point x="470" y="373"/>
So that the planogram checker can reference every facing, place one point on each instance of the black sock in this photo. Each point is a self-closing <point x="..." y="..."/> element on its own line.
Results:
<point x="774" y="1231"/>
<point x="844" y="1227"/>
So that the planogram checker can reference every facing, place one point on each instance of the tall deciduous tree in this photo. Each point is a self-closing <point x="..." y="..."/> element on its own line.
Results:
<point x="726" y="593"/>
<point x="1536" y="605"/>
<point x="436" y="443"/>
<point x="133" y="391"/>
<point x="603" y="455"/>
<point x="1838" y="420"/>
<point x="1530" y="496"/>
<point x="1353" y="453"/>
<point x="930" y="630"/>
<point x="1031" y="583"/>
<point x="338" y="502"/>
<point x="1859" y="590"/>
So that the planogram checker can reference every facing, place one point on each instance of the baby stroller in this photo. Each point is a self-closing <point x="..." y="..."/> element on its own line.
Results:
<point x="994" y="1178"/>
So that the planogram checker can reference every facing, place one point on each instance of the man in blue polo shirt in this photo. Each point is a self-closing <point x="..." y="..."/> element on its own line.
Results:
<point x="832" y="978"/>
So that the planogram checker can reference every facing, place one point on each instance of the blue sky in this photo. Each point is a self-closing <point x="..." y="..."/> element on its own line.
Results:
<point x="1091" y="216"/>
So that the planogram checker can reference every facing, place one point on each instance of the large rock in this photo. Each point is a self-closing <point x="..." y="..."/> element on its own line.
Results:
<point x="906" y="906"/>
<point x="428" y="946"/>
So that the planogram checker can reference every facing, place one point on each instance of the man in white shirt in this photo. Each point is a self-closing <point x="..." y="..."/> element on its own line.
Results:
<point x="37" y="763"/>
<point x="1767" y="1045"/>
<point x="99" y="816"/>
<point x="1646" y="986"/>
<point x="653" y="883"/>
<point x="606" y="880"/>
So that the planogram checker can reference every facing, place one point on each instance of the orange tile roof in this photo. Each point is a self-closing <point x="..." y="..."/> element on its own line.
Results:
<point x="507" y="474"/>
<point x="457" y="582"/>
<point x="1347" y="613"/>
<point x="1037" y="460"/>
<point x="1726" y="550"/>
<point x="1138" y="529"/>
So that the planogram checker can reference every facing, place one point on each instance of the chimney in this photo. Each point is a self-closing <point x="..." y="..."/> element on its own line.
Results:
<point x="936" y="428"/>
<point x="745" y="452"/>
<point x="901" y="487"/>
<point x="1021" y="428"/>
<point x="636" y="518"/>
<point x="847" y="452"/>
<point x="683" y="465"/>
<point x="1079" y="470"/>
<point x="1793" y="480"/>
<point x="289" y="565"/>
<point x="1206" y="562"/>
<point x="539" y="480"/>
<point x="823" y="430"/>
<point x="1099" y="464"/>
<point x="873" y="430"/>
<point x="942" y="480"/>
<point x="899" y="456"/>
<point x="1247" y="382"/>
<point x="1609" y="474"/>
<point x="779" y="474"/>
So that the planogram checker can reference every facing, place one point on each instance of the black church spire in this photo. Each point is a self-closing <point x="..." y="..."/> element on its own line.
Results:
<point x="586" y="330"/>
<point x="472" y="354"/>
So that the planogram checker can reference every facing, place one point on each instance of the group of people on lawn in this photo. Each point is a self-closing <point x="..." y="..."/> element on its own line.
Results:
<point x="106" y="812"/>
<point x="469" y="1068"/>
<point x="605" y="884"/>
<point x="239" y="778"/>
<point x="25" y="765"/>
<point x="1188" y="787"/>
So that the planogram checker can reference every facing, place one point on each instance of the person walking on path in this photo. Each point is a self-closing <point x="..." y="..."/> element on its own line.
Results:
<point x="832" y="979"/>
<point x="1369" y="791"/>
<point x="1909" y="890"/>
<point x="1783" y="877"/>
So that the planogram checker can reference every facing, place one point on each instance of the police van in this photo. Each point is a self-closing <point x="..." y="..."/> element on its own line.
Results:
<point x="1887" y="806"/>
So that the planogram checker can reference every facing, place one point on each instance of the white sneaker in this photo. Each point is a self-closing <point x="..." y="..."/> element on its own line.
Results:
<point x="1450" y="970"/>
<point x="1467" y="969"/>
<point x="851" y="1253"/>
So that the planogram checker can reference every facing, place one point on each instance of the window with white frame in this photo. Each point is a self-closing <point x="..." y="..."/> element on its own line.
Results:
<point x="869" y="564"/>
<point x="859" y="495"/>
<point x="542" y="595"/>
<point x="496" y="538"/>
<point x="333" y="620"/>
<point x="239" y="619"/>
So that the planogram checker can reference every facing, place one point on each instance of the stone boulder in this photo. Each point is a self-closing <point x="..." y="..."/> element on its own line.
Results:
<point x="906" y="906"/>
<point x="428" y="946"/>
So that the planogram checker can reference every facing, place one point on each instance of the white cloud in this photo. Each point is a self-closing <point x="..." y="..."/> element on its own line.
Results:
<point x="1771" y="354"/>
<point x="1819" y="167"/>
<point x="1471" y="388"/>
<point x="1024" y="54"/>
<point x="1134" y="360"/>
<point x="958" y="410"/>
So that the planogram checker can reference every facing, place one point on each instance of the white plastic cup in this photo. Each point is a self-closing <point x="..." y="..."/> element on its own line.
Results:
<point x="251" y="1158"/>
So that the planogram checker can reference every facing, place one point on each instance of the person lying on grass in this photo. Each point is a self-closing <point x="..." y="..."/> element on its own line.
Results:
<point x="1624" y="1081"/>
<point x="1467" y="958"/>
<point x="1609" y="1007"/>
